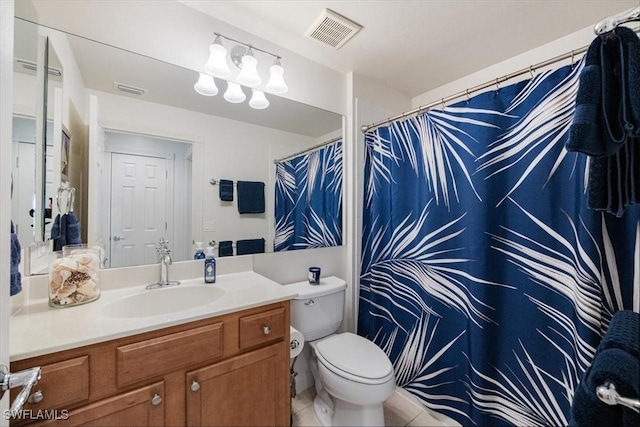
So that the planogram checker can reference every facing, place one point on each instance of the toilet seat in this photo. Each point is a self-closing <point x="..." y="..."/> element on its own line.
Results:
<point x="354" y="358"/>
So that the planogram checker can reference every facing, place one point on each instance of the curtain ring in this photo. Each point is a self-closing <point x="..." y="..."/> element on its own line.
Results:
<point x="442" y="104"/>
<point x="531" y="70"/>
<point x="572" y="58"/>
<point x="467" y="95"/>
<point x="497" y="84"/>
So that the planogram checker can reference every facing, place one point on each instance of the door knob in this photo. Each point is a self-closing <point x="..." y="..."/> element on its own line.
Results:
<point x="117" y="238"/>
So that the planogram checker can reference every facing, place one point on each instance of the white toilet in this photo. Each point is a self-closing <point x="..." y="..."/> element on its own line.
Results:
<point x="352" y="375"/>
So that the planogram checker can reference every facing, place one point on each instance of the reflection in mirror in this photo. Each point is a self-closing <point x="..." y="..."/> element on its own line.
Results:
<point x="153" y="146"/>
<point x="37" y="74"/>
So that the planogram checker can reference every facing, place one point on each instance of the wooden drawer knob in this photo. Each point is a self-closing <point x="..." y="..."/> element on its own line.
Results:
<point x="36" y="397"/>
<point x="156" y="400"/>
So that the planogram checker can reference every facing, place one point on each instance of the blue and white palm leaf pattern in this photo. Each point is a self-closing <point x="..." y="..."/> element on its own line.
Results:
<point x="308" y="195"/>
<point x="414" y="366"/>
<point x="509" y="254"/>
<point x="536" y="134"/>
<point x="524" y="396"/>
<point x="424" y="259"/>
<point x="444" y="143"/>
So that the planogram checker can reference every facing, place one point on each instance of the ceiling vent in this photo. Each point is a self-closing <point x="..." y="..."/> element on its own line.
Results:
<point x="333" y="29"/>
<point x="32" y="66"/>
<point x="129" y="89"/>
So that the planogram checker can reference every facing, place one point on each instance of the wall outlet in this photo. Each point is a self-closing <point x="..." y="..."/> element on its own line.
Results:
<point x="209" y="226"/>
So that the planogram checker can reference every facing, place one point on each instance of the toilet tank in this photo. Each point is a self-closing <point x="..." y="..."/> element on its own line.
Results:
<point x="318" y="310"/>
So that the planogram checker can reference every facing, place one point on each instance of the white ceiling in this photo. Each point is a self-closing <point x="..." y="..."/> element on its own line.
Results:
<point x="415" y="46"/>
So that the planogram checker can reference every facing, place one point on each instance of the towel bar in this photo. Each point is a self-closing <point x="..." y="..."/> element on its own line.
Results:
<point x="216" y="182"/>
<point x="608" y="394"/>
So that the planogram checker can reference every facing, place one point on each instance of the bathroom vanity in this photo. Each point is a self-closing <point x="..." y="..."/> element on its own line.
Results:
<point x="220" y="364"/>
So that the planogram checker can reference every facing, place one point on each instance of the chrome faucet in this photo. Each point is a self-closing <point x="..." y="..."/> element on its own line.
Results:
<point x="25" y="379"/>
<point x="164" y="258"/>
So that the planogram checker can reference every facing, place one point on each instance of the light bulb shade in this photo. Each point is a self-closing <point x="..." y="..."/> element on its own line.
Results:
<point x="234" y="93"/>
<point x="249" y="74"/>
<point x="217" y="63"/>
<point x="205" y="85"/>
<point x="258" y="100"/>
<point x="276" y="82"/>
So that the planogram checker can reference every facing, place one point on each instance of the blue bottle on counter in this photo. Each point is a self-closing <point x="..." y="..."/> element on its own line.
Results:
<point x="210" y="267"/>
<point x="199" y="251"/>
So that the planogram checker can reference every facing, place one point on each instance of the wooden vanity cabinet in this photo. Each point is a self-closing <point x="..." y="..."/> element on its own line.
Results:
<point x="226" y="370"/>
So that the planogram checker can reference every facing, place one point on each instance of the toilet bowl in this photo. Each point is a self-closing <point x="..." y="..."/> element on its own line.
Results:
<point x="350" y="393"/>
<point x="352" y="375"/>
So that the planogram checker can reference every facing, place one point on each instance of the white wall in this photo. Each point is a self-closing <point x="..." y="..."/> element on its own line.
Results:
<point x="230" y="150"/>
<point x="370" y="102"/>
<point x="550" y="50"/>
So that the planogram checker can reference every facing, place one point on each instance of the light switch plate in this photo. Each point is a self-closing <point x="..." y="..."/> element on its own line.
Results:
<point x="209" y="226"/>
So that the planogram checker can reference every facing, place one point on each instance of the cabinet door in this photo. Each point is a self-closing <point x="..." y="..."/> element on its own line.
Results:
<point x="242" y="391"/>
<point x="140" y="407"/>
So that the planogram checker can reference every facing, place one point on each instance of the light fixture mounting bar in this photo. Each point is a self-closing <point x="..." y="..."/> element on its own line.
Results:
<point x="247" y="45"/>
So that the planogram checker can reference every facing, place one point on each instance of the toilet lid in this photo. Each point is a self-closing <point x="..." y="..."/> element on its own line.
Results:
<point x="355" y="355"/>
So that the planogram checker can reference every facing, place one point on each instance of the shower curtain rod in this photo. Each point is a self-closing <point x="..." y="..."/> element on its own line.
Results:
<point x="478" y="88"/>
<point x="315" y="147"/>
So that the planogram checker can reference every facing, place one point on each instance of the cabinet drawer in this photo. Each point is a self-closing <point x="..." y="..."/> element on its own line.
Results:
<point x="157" y="356"/>
<point x="62" y="384"/>
<point x="262" y="328"/>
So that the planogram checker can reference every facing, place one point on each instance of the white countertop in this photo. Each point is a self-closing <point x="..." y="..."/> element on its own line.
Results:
<point x="38" y="329"/>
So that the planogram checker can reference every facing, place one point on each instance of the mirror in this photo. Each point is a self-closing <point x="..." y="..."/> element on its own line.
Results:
<point x="37" y="76"/>
<point x="123" y="112"/>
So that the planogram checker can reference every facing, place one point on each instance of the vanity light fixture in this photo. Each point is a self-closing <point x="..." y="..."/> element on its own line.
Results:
<point x="244" y="59"/>
<point x="234" y="93"/>
<point x="258" y="100"/>
<point x="205" y="85"/>
<point x="249" y="73"/>
<point x="217" y="65"/>
<point x="276" y="82"/>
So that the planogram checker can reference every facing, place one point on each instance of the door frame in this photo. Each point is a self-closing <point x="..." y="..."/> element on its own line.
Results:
<point x="6" y="130"/>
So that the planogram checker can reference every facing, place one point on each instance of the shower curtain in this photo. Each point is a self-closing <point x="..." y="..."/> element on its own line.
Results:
<point x="308" y="212"/>
<point x="484" y="276"/>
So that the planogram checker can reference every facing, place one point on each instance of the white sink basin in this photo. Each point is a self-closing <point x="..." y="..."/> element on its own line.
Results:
<point x="154" y="302"/>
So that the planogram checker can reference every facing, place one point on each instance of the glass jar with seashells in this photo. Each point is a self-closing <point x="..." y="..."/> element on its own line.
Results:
<point x="73" y="276"/>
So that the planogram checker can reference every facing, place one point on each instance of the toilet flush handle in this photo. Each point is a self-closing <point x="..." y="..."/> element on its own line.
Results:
<point x="309" y="303"/>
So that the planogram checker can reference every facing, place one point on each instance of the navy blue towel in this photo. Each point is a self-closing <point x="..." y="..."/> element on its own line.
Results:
<point x="66" y="230"/>
<point x="617" y="360"/>
<point x="59" y="232"/>
<point x="16" y="277"/>
<point x="74" y="230"/>
<point x="226" y="190"/>
<point x="250" y="197"/>
<point x="250" y="246"/>
<point x="225" y="248"/>
<point x="623" y="333"/>
<point x="606" y="123"/>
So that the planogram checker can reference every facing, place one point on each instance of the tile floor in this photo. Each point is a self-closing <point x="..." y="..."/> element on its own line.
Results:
<point x="398" y="411"/>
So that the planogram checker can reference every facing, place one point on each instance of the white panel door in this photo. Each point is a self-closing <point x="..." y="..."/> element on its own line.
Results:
<point x="138" y="208"/>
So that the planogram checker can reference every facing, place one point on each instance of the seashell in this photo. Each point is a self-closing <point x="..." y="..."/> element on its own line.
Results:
<point x="66" y="263"/>
<point x="88" y="289"/>
<point x="65" y="301"/>
<point x="66" y="290"/>
<point x="64" y="276"/>
<point x="83" y="258"/>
